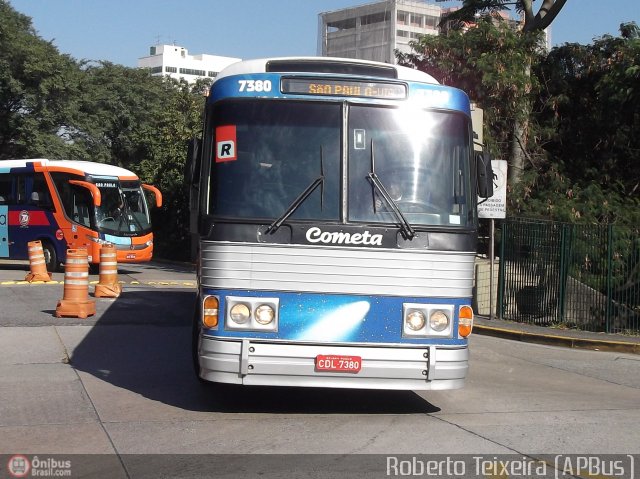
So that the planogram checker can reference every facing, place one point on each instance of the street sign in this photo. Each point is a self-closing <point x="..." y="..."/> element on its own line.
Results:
<point x="496" y="206"/>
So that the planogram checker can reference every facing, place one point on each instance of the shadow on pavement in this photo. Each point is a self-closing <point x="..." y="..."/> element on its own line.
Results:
<point x="142" y="343"/>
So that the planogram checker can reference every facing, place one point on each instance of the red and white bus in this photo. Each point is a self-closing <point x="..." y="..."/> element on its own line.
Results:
<point x="74" y="204"/>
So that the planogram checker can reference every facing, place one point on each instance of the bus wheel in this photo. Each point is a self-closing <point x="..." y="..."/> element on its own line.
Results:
<point x="50" y="256"/>
<point x="195" y="340"/>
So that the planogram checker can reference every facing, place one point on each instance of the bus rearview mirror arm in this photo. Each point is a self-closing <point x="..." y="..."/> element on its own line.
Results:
<point x="484" y="175"/>
<point x="95" y="192"/>
<point x="156" y="192"/>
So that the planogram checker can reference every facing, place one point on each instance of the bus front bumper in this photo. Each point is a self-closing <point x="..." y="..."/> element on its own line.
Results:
<point x="261" y="363"/>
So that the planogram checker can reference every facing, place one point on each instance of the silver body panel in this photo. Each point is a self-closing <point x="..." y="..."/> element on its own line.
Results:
<point x="339" y="270"/>
<point x="260" y="363"/>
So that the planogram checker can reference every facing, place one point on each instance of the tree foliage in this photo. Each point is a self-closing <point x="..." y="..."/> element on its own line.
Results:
<point x="38" y="88"/>
<point x="533" y="21"/>
<point x="590" y="110"/>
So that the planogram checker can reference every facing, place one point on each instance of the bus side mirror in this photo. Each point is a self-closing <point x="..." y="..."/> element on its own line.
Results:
<point x="192" y="165"/>
<point x="95" y="192"/>
<point x="156" y="194"/>
<point x="192" y="182"/>
<point x="484" y="175"/>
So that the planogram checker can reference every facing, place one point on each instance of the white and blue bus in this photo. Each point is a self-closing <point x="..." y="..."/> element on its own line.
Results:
<point x="334" y="202"/>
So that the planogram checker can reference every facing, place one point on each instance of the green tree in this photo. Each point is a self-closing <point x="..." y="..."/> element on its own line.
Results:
<point x="38" y="87"/>
<point x="590" y="110"/>
<point x="533" y="23"/>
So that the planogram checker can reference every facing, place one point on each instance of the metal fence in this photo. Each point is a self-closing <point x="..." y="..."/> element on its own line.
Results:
<point x="576" y="276"/>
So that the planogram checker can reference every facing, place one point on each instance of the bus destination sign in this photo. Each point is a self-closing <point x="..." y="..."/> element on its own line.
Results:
<point x="353" y="88"/>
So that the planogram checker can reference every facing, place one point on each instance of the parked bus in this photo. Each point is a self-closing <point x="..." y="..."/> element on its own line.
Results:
<point x="335" y="205"/>
<point x="73" y="204"/>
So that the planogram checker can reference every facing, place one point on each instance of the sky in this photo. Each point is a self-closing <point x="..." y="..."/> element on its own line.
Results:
<point x="121" y="31"/>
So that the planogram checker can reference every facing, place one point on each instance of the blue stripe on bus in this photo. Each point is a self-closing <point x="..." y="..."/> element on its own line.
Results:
<point x="422" y="94"/>
<point x="331" y="318"/>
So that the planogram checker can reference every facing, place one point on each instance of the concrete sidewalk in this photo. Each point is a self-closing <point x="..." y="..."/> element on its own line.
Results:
<point x="569" y="338"/>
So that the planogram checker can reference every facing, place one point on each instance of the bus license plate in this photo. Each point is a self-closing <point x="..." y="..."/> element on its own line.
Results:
<point x="338" y="364"/>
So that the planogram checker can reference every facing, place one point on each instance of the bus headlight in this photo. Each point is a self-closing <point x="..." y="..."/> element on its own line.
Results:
<point x="438" y="321"/>
<point x="240" y="313"/>
<point x="264" y="314"/>
<point x="424" y="320"/>
<point x="245" y="313"/>
<point x="416" y="320"/>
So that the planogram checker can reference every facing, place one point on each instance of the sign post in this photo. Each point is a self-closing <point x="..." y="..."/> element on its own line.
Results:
<point x="494" y="208"/>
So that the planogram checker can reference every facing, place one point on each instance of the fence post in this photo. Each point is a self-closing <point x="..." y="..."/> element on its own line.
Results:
<point x="501" y="269"/>
<point x="608" y="313"/>
<point x="563" y="268"/>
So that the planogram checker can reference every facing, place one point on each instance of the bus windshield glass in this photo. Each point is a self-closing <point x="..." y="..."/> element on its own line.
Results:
<point x="280" y="149"/>
<point x="421" y="159"/>
<point x="123" y="209"/>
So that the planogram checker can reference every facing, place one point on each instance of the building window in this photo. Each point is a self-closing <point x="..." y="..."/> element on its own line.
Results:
<point x="213" y="74"/>
<point x="191" y="71"/>
<point x="402" y="33"/>
<point x="403" y="18"/>
<point x="430" y="21"/>
<point x="416" y="20"/>
<point x="347" y="24"/>
<point x="416" y="36"/>
<point x="171" y="69"/>
<point x="374" y="18"/>
<point x="154" y="70"/>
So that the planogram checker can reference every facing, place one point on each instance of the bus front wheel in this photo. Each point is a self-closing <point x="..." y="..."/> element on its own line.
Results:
<point x="50" y="256"/>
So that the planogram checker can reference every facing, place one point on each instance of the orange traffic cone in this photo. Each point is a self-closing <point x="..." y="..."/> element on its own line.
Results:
<point x="37" y="264"/>
<point x="75" y="301"/>
<point x="108" y="286"/>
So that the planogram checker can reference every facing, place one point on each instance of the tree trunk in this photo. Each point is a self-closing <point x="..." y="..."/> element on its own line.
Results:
<point x="517" y="155"/>
<point x="520" y="134"/>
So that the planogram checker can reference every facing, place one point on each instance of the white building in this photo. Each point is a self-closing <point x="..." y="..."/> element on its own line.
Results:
<point x="175" y="61"/>
<point x="374" y="30"/>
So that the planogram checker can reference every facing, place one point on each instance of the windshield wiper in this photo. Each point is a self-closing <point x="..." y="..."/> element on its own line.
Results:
<point x="127" y="210"/>
<point x="405" y="226"/>
<point x="319" y="181"/>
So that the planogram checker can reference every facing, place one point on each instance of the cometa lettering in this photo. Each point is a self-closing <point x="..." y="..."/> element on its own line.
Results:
<point x="316" y="235"/>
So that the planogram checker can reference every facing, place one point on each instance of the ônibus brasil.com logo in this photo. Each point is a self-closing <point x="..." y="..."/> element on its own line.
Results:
<point x="21" y="466"/>
<point x="18" y="466"/>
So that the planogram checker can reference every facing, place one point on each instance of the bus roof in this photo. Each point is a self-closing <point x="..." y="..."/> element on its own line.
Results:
<point x="81" y="167"/>
<point x="261" y="66"/>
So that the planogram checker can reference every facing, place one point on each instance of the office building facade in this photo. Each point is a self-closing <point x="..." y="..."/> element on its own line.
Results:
<point x="375" y="30"/>
<point x="175" y="61"/>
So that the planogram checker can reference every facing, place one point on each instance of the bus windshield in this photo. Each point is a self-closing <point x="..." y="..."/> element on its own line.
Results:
<point x="281" y="147"/>
<point x="421" y="159"/>
<point x="123" y="209"/>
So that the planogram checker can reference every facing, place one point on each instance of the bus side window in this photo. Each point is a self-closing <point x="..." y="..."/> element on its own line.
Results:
<point x="40" y="195"/>
<point x="81" y="202"/>
<point x="5" y="188"/>
<point x="21" y="189"/>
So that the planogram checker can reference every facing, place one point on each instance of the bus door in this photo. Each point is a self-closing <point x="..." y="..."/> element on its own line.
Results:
<point x="5" y="191"/>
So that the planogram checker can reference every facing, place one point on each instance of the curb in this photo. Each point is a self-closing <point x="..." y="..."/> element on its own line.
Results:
<point x="555" y="340"/>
